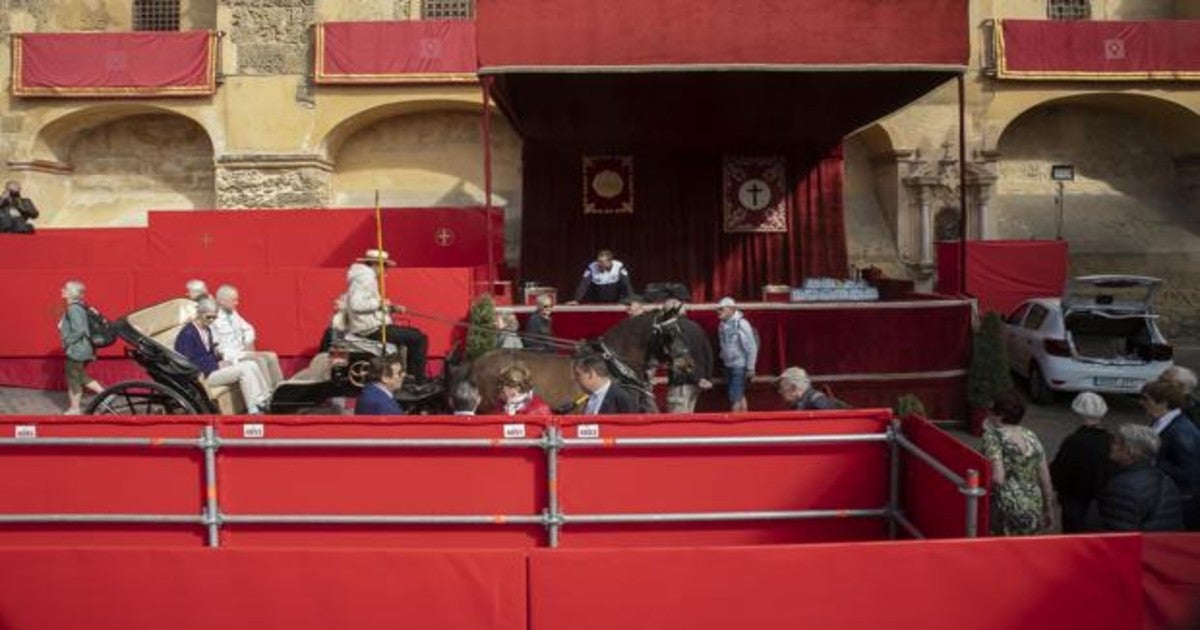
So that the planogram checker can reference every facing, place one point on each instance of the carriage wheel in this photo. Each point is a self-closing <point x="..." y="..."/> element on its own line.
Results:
<point x="357" y="373"/>
<point x="139" y="398"/>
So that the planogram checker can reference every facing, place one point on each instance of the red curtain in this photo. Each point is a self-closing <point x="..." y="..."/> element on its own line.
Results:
<point x="675" y="232"/>
<point x="1098" y="50"/>
<point x="395" y="52"/>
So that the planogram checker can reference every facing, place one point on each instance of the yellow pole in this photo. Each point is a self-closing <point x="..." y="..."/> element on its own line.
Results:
<point x="379" y="272"/>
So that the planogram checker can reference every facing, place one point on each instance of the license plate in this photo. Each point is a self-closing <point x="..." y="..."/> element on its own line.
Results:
<point x="1115" y="381"/>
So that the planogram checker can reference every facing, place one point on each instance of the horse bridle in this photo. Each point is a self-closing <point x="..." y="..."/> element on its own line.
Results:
<point x="673" y="347"/>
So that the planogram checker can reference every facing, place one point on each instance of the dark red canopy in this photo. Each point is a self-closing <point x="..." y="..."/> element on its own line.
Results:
<point x="679" y="73"/>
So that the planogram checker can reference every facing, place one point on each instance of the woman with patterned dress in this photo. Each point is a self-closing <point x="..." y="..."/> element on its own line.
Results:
<point x="1022" y="497"/>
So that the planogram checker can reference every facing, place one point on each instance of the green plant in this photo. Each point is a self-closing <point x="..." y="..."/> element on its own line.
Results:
<point x="481" y="332"/>
<point x="988" y="374"/>
<point x="910" y="405"/>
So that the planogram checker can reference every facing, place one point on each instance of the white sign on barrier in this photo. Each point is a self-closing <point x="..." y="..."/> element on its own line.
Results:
<point x="25" y="431"/>
<point x="513" y="431"/>
<point x="253" y="430"/>
<point x="587" y="431"/>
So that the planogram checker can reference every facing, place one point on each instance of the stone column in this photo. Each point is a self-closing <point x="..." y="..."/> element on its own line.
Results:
<point x="273" y="181"/>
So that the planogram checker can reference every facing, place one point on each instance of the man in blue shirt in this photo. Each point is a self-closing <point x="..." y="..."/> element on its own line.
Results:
<point x="378" y="397"/>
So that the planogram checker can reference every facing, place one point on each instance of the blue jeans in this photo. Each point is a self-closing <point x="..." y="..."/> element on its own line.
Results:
<point x="736" y="382"/>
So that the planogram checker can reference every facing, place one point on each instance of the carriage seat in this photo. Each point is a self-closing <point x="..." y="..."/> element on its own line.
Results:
<point x="162" y="323"/>
<point x="357" y="343"/>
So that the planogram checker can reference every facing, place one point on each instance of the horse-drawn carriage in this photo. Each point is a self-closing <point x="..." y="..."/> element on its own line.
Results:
<point x="175" y="385"/>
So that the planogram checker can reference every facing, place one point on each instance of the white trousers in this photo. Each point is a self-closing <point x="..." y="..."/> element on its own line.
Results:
<point x="249" y="379"/>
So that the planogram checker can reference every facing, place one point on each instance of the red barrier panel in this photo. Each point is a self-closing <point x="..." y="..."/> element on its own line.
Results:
<point x="390" y="481"/>
<point x="726" y="478"/>
<point x="105" y="479"/>
<point x="1053" y="582"/>
<point x="1171" y="578"/>
<point x="931" y="502"/>
<point x="77" y="249"/>
<point x="136" y="589"/>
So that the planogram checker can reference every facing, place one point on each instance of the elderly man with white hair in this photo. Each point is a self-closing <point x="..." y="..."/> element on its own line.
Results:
<point x="795" y="388"/>
<point x="77" y="344"/>
<point x="196" y="342"/>
<point x="1186" y="379"/>
<point x="235" y="337"/>
<point x="1140" y="496"/>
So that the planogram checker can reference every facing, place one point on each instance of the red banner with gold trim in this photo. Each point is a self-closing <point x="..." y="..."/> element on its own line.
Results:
<point x="1098" y="50"/>
<point x="755" y="191"/>
<point x="608" y="184"/>
<point x="408" y="51"/>
<point x="124" y="65"/>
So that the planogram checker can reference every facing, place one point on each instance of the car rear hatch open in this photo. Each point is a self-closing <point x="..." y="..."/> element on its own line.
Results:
<point x="1110" y="319"/>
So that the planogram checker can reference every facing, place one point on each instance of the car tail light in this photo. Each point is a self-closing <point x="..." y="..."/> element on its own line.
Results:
<point x="1156" y="352"/>
<point x="1057" y="347"/>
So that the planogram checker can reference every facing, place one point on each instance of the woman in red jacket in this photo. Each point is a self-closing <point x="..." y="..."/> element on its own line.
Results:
<point x="516" y="393"/>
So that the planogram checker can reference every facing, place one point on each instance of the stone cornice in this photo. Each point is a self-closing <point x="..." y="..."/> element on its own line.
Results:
<point x="258" y="161"/>
<point x="41" y="166"/>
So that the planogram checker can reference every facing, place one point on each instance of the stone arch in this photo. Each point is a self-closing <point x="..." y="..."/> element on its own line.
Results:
<point x="429" y="157"/>
<point x="1134" y="206"/>
<point x="871" y="193"/>
<point x="114" y="163"/>
<point x="349" y="125"/>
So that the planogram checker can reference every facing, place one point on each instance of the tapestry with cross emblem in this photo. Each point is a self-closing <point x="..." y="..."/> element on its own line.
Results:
<point x="755" y="194"/>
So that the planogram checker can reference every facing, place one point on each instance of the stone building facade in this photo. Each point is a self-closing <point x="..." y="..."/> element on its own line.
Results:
<point x="270" y="138"/>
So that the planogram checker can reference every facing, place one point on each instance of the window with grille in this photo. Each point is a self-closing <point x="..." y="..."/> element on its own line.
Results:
<point x="156" y="15"/>
<point x="448" y="9"/>
<point x="1068" y="9"/>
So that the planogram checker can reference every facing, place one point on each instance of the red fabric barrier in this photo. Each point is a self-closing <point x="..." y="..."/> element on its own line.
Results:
<point x="743" y="478"/>
<point x="408" y="51"/>
<point x="299" y="589"/>
<point x="382" y="481"/>
<point x="415" y="237"/>
<point x="121" y="65"/>
<point x="932" y="503"/>
<point x="1171" y="577"/>
<point x="1098" y="49"/>
<point x="1061" y="582"/>
<point x="107" y="248"/>
<point x="1002" y="274"/>
<point x="810" y="32"/>
<point x="31" y="329"/>
<point x="111" y="479"/>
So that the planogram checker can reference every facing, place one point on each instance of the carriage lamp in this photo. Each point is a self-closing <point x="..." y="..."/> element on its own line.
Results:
<point x="1060" y="173"/>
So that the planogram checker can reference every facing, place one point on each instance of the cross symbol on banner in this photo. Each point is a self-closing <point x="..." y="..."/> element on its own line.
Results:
<point x="755" y="189"/>
<point x="444" y="237"/>
<point x="1114" y="49"/>
<point x="206" y="240"/>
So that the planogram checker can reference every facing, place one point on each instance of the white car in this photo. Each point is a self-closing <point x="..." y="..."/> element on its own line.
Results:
<point x="1101" y="336"/>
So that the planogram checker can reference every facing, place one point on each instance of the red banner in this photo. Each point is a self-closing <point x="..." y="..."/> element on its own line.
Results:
<point x="1098" y="49"/>
<point x="121" y="65"/>
<point x="608" y="184"/>
<point x="409" y="51"/>
<point x="755" y="194"/>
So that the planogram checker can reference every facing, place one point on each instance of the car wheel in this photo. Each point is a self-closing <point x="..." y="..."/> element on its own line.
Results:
<point x="1039" y="389"/>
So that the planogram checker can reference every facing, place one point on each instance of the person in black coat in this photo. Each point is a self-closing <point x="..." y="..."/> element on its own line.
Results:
<point x="538" y="326"/>
<point x="1139" y="497"/>
<point x="605" y="396"/>
<point x="683" y="388"/>
<point x="16" y="211"/>
<point x="1179" y="455"/>
<point x="1082" y="466"/>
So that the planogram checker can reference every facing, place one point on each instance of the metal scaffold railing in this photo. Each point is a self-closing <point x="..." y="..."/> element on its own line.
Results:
<point x="552" y="442"/>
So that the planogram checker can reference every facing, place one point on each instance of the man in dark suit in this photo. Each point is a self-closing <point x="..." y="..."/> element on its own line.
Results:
<point x="385" y="375"/>
<point x="604" y="395"/>
<point x="1179" y="455"/>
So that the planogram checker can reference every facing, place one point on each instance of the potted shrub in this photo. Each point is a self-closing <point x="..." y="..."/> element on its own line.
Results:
<point x="481" y="333"/>
<point x="910" y="405"/>
<point x="988" y="374"/>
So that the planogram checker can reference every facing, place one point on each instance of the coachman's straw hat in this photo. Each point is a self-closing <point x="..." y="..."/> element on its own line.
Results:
<point x="372" y="257"/>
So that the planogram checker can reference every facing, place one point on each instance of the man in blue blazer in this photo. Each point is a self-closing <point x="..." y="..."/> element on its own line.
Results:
<point x="384" y="377"/>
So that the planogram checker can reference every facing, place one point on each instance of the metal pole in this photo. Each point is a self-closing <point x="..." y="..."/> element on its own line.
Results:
<point x="933" y="463"/>
<point x="482" y="443"/>
<point x="973" y="492"/>
<point x="1058" y="204"/>
<point x="726" y="441"/>
<point x="893" y="478"/>
<point x="149" y="442"/>
<point x="212" y="514"/>
<point x="553" y="516"/>
<point x="962" y="185"/>
<point x="190" y="519"/>
<point x="912" y="529"/>
<point x="708" y="517"/>
<point x="485" y="85"/>
<point x="382" y="519"/>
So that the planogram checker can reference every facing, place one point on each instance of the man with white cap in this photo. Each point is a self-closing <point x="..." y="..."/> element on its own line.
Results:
<point x="795" y="388"/>
<point x="739" y="351"/>
<point x="366" y="312"/>
<point x="1082" y="466"/>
